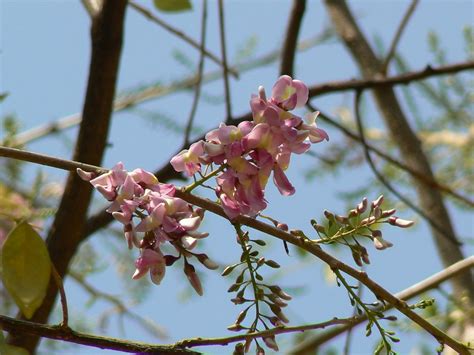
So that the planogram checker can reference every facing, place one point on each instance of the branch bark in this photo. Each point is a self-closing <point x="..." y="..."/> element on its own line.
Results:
<point x="68" y="226"/>
<point x="291" y="38"/>
<point x="431" y="200"/>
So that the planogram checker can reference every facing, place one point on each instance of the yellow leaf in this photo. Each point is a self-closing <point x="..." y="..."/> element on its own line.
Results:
<point x="26" y="268"/>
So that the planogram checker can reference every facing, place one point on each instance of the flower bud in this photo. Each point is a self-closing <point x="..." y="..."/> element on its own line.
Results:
<point x="377" y="202"/>
<point x="402" y="223"/>
<point x="377" y="212"/>
<point x="361" y="207"/>
<point x="329" y="215"/>
<point x="353" y="213"/>
<point x="381" y="243"/>
<point x="85" y="175"/>
<point x="282" y="226"/>
<point x="270" y="342"/>
<point x="388" y="213"/>
<point x="239" y="349"/>
<point x="204" y="259"/>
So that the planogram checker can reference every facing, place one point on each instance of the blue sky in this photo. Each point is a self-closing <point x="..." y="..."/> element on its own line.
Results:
<point x="44" y="60"/>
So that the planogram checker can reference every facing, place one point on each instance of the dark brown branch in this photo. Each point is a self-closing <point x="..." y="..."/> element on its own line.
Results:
<point x="149" y="15"/>
<point x="405" y="138"/>
<point x="420" y="288"/>
<point x="291" y="37"/>
<point x="402" y="79"/>
<point x="68" y="226"/>
<point x="335" y="264"/>
<point x="21" y="327"/>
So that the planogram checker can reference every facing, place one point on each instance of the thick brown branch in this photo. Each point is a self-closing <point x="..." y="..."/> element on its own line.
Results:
<point x="402" y="79"/>
<point x="68" y="226"/>
<point x="291" y="37"/>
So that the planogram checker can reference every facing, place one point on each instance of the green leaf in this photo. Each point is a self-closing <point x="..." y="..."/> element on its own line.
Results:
<point x="173" y="5"/>
<point x="26" y="268"/>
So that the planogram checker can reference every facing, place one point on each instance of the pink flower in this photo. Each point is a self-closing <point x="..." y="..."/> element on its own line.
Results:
<point x="316" y="134"/>
<point x="288" y="93"/>
<point x="153" y="261"/>
<point x="189" y="160"/>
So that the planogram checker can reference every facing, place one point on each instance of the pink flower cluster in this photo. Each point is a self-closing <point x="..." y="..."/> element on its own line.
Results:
<point x="251" y="151"/>
<point x="138" y="196"/>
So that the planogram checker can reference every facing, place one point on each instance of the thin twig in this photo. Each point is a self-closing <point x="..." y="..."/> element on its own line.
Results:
<point x="398" y="35"/>
<point x="62" y="294"/>
<point x="347" y="343"/>
<point x="188" y="343"/>
<point x="406" y="78"/>
<point x="120" y="306"/>
<point x="413" y="291"/>
<point x="148" y="14"/>
<point x="386" y="183"/>
<point x="318" y="252"/>
<point x="197" y="89"/>
<point x="228" y="107"/>
<point x="291" y="37"/>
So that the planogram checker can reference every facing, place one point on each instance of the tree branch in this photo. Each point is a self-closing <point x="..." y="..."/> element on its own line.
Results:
<point x="398" y="35"/>
<point x="200" y="70"/>
<point x="421" y="287"/>
<point x="335" y="264"/>
<point x="402" y="79"/>
<point x="430" y="199"/>
<point x="68" y="226"/>
<point x="291" y="38"/>
<point x="21" y="327"/>
<point x="228" y="105"/>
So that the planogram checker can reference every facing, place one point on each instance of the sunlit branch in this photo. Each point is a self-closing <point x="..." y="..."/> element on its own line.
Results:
<point x="318" y="252"/>
<point x="402" y="79"/>
<point x="413" y="291"/>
